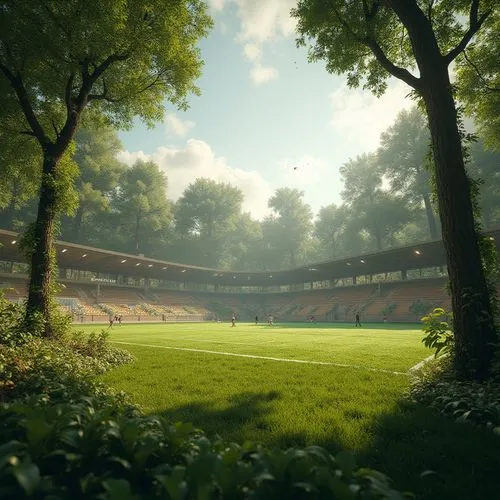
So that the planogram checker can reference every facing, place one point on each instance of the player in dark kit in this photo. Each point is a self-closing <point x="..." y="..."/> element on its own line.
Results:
<point x="357" y="323"/>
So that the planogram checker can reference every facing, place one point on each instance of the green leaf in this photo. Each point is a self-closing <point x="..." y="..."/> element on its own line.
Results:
<point x="346" y="462"/>
<point x="28" y="476"/>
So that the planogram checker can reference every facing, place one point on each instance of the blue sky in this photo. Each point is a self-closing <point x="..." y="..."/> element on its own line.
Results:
<point x="263" y="110"/>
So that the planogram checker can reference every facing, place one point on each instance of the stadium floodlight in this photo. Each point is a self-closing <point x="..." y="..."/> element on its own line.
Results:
<point x="164" y="267"/>
<point x="362" y="261"/>
<point x="312" y="269"/>
<point x="491" y="238"/>
<point x="138" y="264"/>
<point x="418" y="252"/>
<point x="123" y="261"/>
<point x="184" y="270"/>
<point x="64" y="250"/>
<point x="84" y="255"/>
<point x="270" y="276"/>
<point x="150" y="265"/>
<point x="13" y="242"/>
<point x="348" y="264"/>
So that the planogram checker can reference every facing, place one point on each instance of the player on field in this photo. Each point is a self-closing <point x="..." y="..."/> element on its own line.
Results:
<point x="233" y="320"/>
<point x="357" y="323"/>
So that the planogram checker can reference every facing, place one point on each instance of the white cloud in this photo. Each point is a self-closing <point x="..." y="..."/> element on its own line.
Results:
<point x="197" y="159"/>
<point x="361" y="117"/>
<point x="177" y="126"/>
<point x="216" y="5"/>
<point x="252" y="51"/>
<point x="263" y="20"/>
<point x="261" y="74"/>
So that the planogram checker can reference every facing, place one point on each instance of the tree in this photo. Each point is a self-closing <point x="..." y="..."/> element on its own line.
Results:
<point x="485" y="166"/>
<point x="329" y="228"/>
<point x="403" y="154"/>
<point x="291" y="224"/>
<point x="122" y="59"/>
<point x="207" y="213"/>
<point x="141" y="205"/>
<point x="372" y="39"/>
<point x="95" y="155"/>
<point x="478" y="71"/>
<point x="372" y="208"/>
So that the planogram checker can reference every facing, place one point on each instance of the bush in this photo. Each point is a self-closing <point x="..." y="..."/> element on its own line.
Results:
<point x="438" y="332"/>
<point x="468" y="402"/>
<point x="11" y="316"/>
<point x="82" y="450"/>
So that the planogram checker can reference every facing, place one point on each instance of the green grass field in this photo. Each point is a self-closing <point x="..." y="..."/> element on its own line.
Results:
<point x="295" y="385"/>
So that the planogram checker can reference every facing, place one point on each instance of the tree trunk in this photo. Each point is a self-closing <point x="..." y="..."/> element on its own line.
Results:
<point x="473" y="322"/>
<point x="431" y="220"/>
<point x="39" y="291"/>
<point x="474" y="328"/>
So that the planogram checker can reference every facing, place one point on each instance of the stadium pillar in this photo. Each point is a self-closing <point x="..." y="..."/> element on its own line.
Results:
<point x="404" y="275"/>
<point x="146" y="286"/>
<point x="354" y="281"/>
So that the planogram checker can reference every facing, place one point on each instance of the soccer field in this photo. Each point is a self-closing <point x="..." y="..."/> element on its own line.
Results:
<point x="302" y="384"/>
<point x="290" y="384"/>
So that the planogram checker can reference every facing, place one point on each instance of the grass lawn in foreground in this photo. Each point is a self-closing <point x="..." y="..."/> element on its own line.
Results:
<point x="245" y="383"/>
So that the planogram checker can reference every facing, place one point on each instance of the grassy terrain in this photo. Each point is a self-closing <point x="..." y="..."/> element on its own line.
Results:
<point x="354" y="402"/>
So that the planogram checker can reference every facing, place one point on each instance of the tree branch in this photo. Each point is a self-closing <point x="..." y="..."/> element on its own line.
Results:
<point x="480" y="76"/>
<point x="17" y="85"/>
<point x="398" y="72"/>
<point x="475" y="24"/>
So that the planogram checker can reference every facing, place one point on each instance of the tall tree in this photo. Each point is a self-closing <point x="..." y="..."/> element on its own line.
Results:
<point x="291" y="225"/>
<point x="329" y="229"/>
<point x="121" y="58"/>
<point x="372" y="208"/>
<point x="372" y="39"/>
<point x="142" y="206"/>
<point x="207" y="213"/>
<point x="485" y="166"/>
<point x="478" y="83"/>
<point x="95" y="155"/>
<point x="404" y="157"/>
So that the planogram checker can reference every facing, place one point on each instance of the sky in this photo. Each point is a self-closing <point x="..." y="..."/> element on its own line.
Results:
<point x="263" y="111"/>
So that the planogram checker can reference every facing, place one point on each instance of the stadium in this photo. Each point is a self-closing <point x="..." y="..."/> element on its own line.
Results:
<point x="98" y="284"/>
<point x="249" y="249"/>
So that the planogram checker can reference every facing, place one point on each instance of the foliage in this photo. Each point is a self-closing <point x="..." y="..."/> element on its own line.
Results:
<point x="142" y="204"/>
<point x="438" y="332"/>
<point x="84" y="450"/>
<point x="207" y="214"/>
<point x="11" y="316"/>
<point x="463" y="401"/>
<point x="51" y="366"/>
<point x="478" y="83"/>
<point x="287" y="230"/>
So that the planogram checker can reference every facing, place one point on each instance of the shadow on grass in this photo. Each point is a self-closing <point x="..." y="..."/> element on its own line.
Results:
<point x="244" y="411"/>
<point x="420" y="450"/>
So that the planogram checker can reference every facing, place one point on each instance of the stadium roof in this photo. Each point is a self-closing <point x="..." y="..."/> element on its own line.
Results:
<point x="74" y="256"/>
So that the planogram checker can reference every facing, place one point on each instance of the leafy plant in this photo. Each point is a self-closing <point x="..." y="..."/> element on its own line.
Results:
<point x="87" y="450"/>
<point x="438" y="332"/>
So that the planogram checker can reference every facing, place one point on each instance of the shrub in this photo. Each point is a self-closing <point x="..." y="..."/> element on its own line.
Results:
<point x="469" y="402"/>
<point x="11" y="316"/>
<point x="82" y="450"/>
<point x="438" y="332"/>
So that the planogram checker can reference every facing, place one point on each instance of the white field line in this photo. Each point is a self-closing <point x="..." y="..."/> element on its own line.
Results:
<point x="422" y="363"/>
<point x="269" y="358"/>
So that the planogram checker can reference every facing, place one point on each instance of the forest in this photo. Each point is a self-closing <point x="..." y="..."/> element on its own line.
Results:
<point x="387" y="201"/>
